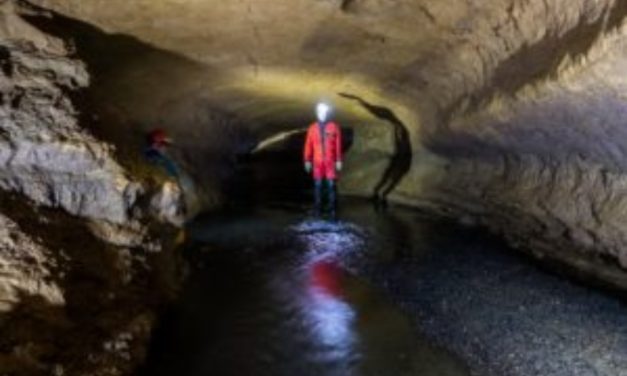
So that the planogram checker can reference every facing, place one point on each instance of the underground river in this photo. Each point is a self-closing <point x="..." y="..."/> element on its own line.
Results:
<point x="272" y="291"/>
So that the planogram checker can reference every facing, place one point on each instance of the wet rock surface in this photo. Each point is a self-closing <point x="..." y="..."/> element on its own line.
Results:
<point x="503" y="314"/>
<point x="293" y="306"/>
<point x="461" y="290"/>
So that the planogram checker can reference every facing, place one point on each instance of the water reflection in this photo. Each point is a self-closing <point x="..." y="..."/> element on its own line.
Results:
<point x="331" y="317"/>
<point x="289" y="307"/>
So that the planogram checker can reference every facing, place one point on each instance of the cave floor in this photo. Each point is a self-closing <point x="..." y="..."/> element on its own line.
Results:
<point x="394" y="292"/>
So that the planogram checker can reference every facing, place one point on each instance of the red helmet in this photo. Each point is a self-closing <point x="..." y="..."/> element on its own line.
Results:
<point x="158" y="137"/>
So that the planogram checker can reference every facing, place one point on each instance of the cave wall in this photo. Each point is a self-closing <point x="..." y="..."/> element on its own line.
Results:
<point x="505" y="114"/>
<point x="87" y="237"/>
<point x="537" y="152"/>
<point x="49" y="152"/>
<point x="549" y="165"/>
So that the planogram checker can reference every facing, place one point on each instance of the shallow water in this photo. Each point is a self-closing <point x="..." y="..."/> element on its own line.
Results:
<point x="273" y="292"/>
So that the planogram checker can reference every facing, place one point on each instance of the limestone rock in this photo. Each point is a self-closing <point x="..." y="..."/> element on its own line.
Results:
<point x="76" y="228"/>
<point x="26" y="269"/>
<point x="509" y="112"/>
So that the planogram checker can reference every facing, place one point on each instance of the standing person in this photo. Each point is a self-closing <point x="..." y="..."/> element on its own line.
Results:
<point x="322" y="156"/>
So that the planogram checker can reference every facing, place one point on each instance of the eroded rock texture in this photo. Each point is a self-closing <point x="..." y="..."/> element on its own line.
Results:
<point x="535" y="150"/>
<point x="70" y="303"/>
<point x="504" y="113"/>
<point x="82" y="239"/>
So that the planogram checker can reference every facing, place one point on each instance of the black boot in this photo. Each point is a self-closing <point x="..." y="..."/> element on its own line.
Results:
<point x="332" y="200"/>
<point x="317" y="210"/>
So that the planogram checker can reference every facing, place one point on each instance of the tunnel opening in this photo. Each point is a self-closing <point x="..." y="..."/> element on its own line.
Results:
<point x="273" y="172"/>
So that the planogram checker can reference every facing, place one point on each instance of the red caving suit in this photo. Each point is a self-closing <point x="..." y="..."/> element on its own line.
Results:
<point x="323" y="150"/>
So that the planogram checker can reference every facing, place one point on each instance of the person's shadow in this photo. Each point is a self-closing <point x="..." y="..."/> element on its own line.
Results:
<point x="401" y="160"/>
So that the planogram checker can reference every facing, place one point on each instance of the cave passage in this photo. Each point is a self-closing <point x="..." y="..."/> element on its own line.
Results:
<point x="155" y="215"/>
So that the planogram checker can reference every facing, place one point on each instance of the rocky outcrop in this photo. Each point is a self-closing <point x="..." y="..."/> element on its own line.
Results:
<point x="70" y="303"/>
<point x="86" y="245"/>
<point x="26" y="269"/>
<point x="46" y="154"/>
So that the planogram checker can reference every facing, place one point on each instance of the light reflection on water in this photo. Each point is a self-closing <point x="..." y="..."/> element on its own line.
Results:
<point x="331" y="317"/>
<point x="287" y="308"/>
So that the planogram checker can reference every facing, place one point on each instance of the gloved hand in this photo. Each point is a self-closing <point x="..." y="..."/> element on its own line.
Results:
<point x="308" y="167"/>
<point x="338" y="166"/>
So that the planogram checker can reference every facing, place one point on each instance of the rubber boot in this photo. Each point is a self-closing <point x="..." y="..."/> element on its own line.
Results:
<point x="332" y="199"/>
<point x="317" y="210"/>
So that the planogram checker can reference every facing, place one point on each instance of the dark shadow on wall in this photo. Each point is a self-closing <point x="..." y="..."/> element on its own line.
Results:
<point x="401" y="160"/>
<point x="136" y="87"/>
<point x="103" y="105"/>
<point x="540" y="61"/>
<point x="123" y="72"/>
<point x="517" y="175"/>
